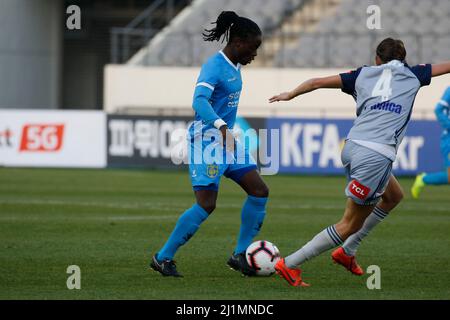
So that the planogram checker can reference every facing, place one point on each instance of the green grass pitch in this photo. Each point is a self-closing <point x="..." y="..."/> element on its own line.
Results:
<point x="109" y="222"/>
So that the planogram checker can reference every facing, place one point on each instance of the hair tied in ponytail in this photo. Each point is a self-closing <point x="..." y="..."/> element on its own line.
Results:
<point x="223" y="24"/>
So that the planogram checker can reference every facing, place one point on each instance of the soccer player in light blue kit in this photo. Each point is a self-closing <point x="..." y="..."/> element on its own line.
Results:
<point x="216" y="99"/>
<point x="442" y="112"/>
<point x="384" y="96"/>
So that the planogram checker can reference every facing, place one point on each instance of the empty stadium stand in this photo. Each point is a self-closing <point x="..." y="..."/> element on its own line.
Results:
<point x="181" y="43"/>
<point x="343" y="39"/>
<point x="307" y="33"/>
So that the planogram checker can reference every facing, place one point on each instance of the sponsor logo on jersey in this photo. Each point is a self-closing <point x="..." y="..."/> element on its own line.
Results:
<point x="359" y="190"/>
<point x="387" y="106"/>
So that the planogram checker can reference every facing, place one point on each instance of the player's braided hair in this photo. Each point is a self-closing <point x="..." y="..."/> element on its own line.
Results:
<point x="391" y="49"/>
<point x="230" y="25"/>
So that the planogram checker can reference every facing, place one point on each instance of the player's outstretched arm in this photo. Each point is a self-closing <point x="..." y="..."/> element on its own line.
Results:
<point x="439" y="69"/>
<point x="333" y="82"/>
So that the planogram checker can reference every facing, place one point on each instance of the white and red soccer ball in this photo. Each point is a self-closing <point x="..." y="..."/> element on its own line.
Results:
<point x="262" y="255"/>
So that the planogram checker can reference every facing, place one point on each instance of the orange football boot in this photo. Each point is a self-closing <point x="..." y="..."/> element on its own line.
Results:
<point x="291" y="275"/>
<point x="349" y="262"/>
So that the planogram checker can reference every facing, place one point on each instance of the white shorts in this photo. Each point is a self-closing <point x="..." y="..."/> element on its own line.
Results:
<point x="368" y="173"/>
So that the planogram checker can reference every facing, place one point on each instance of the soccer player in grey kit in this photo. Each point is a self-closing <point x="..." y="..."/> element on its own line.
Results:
<point x="384" y="97"/>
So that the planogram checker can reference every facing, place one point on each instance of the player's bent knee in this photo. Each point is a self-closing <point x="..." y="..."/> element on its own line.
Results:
<point x="354" y="227"/>
<point x="208" y="206"/>
<point x="394" y="198"/>
<point x="346" y="228"/>
<point x="349" y="230"/>
<point x="399" y="196"/>
<point x="262" y="191"/>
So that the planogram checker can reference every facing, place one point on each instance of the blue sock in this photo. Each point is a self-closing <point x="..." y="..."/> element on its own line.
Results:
<point x="252" y="217"/>
<point x="436" y="178"/>
<point x="187" y="224"/>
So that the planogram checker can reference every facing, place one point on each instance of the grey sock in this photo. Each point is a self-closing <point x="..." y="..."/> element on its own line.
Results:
<point x="323" y="241"/>
<point x="352" y="243"/>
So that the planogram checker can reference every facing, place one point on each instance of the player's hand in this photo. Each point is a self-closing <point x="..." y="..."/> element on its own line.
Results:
<point x="285" y="96"/>
<point x="228" y="139"/>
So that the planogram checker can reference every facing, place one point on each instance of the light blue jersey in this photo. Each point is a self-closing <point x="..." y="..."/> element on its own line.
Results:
<point x="217" y="92"/>
<point x="215" y="102"/>
<point x="442" y="112"/>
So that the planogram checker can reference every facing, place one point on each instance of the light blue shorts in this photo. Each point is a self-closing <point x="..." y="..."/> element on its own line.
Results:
<point x="206" y="174"/>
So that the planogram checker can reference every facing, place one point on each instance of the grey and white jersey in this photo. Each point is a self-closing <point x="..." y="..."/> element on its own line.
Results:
<point x="384" y="96"/>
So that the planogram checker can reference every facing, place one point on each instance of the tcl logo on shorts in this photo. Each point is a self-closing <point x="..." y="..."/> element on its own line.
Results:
<point x="358" y="190"/>
<point x="42" y="137"/>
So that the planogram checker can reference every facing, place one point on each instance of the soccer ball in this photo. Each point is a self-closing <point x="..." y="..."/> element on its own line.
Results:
<point x="262" y="255"/>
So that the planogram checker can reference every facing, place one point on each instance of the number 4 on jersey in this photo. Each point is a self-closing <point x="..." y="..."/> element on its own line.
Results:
<point x="383" y="86"/>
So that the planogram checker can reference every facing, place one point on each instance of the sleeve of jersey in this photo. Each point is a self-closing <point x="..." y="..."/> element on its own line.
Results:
<point x="443" y="105"/>
<point x="348" y="81"/>
<point x="423" y="73"/>
<point x="206" y="83"/>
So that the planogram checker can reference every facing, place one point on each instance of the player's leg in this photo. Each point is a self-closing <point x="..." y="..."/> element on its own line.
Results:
<point x="368" y="173"/>
<point x="244" y="173"/>
<point x="329" y="238"/>
<point x="205" y="179"/>
<point x="392" y="196"/>
<point x="186" y="226"/>
<point x="436" y="178"/>
<point x="188" y="223"/>
<point x="252" y="214"/>
<point x="423" y="179"/>
<point x="386" y="187"/>
<point x="253" y="210"/>
<point x="332" y="236"/>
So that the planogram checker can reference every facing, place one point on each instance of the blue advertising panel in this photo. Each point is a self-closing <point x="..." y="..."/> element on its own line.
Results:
<point x="313" y="146"/>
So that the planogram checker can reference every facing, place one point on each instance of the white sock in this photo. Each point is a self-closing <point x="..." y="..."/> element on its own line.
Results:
<point x="352" y="243"/>
<point x="323" y="241"/>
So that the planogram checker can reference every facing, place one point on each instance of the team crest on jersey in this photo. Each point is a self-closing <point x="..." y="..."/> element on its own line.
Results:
<point x="212" y="170"/>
